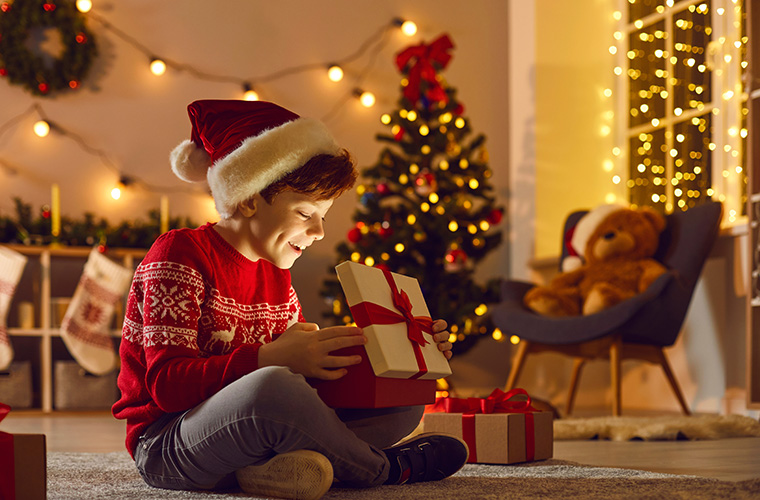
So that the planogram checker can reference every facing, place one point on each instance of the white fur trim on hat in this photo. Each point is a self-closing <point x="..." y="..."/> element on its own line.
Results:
<point x="265" y="158"/>
<point x="189" y="162"/>
<point x="588" y="224"/>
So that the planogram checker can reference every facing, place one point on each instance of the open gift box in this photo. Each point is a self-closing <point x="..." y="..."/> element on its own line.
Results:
<point x="23" y="470"/>
<point x="497" y="429"/>
<point x="401" y="361"/>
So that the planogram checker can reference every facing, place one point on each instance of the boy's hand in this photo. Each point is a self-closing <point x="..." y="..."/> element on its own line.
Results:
<point x="305" y="349"/>
<point x="441" y="337"/>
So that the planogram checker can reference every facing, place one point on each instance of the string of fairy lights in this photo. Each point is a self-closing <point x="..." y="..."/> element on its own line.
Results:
<point x="682" y="109"/>
<point x="250" y="89"/>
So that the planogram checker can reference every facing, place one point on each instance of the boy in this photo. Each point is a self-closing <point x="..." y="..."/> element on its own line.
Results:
<point x="215" y="351"/>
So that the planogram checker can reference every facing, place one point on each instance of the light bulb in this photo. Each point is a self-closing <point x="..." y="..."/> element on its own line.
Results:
<point x="84" y="5"/>
<point x="157" y="67"/>
<point x="367" y="99"/>
<point x="249" y="94"/>
<point x="42" y="128"/>
<point x="335" y="73"/>
<point x="409" y="28"/>
<point x="116" y="193"/>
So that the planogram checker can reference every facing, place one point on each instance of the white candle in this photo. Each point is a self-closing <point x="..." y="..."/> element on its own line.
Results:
<point x="55" y="210"/>
<point x="164" y="214"/>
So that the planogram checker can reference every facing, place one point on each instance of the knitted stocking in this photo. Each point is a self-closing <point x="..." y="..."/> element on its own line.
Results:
<point x="11" y="266"/>
<point x="85" y="326"/>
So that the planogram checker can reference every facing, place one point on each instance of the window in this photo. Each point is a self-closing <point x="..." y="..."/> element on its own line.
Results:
<point x="682" y="105"/>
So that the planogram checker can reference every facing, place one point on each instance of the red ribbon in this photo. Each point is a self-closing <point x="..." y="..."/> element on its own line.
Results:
<point x="368" y="313"/>
<point x="421" y="57"/>
<point x="497" y="402"/>
<point x="7" y="463"/>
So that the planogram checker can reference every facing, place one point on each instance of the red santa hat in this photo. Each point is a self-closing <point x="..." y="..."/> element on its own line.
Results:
<point x="582" y="232"/>
<point x="241" y="147"/>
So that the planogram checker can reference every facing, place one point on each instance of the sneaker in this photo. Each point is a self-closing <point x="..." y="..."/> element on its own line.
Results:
<point x="299" y="475"/>
<point x="426" y="457"/>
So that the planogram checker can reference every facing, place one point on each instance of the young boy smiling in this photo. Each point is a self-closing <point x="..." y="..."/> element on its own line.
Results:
<point x="215" y="350"/>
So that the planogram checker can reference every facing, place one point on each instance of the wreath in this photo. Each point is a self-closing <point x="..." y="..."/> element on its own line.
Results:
<point x="23" y="67"/>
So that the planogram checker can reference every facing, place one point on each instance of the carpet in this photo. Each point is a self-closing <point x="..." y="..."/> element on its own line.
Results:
<point x="73" y="476"/>
<point x="657" y="428"/>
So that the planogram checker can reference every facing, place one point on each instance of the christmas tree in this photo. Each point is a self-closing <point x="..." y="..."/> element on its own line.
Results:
<point x="427" y="208"/>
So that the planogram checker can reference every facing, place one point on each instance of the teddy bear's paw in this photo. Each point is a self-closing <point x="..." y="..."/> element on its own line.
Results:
<point x="546" y="303"/>
<point x="603" y="296"/>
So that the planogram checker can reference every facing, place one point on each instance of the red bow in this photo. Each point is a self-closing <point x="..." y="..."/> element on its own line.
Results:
<point x="422" y="58"/>
<point x="368" y="313"/>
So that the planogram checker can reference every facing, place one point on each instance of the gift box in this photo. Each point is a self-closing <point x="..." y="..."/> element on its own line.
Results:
<point x="400" y="361"/>
<point x="497" y="429"/>
<point x="23" y="471"/>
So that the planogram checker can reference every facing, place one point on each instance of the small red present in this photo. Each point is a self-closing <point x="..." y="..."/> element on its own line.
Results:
<point x="497" y="429"/>
<point x="401" y="361"/>
<point x="23" y="471"/>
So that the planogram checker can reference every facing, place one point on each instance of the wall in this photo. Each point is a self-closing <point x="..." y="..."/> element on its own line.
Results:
<point x="137" y="118"/>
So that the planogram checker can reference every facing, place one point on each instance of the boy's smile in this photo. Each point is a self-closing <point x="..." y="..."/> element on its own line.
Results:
<point x="280" y="232"/>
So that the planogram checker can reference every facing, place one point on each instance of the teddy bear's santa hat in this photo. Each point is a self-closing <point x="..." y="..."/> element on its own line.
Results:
<point x="582" y="233"/>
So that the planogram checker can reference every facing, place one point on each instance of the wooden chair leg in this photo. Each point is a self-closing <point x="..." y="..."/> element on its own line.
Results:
<point x="615" y="348"/>
<point x="517" y="364"/>
<point x="673" y="382"/>
<point x="574" y="380"/>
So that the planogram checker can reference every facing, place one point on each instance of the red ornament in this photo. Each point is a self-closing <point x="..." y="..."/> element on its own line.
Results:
<point x="102" y="248"/>
<point x="3" y="72"/>
<point x="385" y="232"/>
<point x="5" y="6"/>
<point x="49" y="7"/>
<point x="43" y="87"/>
<point x="382" y="189"/>
<point x="81" y="38"/>
<point x="458" y="110"/>
<point x="46" y="214"/>
<point x="495" y="216"/>
<point x="354" y="235"/>
<point x="455" y="260"/>
<point x="399" y="135"/>
<point x="74" y="84"/>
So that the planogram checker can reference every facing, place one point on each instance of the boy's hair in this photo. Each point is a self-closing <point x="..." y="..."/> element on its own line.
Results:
<point x="324" y="176"/>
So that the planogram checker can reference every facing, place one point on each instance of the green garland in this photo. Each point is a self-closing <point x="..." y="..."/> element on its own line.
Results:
<point x="23" y="67"/>
<point x="28" y="228"/>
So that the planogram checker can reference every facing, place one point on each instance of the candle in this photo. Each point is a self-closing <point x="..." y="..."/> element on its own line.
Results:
<point x="55" y="210"/>
<point x="164" y="213"/>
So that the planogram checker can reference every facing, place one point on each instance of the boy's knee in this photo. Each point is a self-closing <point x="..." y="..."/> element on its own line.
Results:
<point x="277" y="386"/>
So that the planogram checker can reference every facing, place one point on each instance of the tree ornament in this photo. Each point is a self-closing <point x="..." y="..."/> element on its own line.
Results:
<point x="422" y="62"/>
<point x="399" y="135"/>
<point x="495" y="216"/>
<point x="455" y="260"/>
<point x="23" y="67"/>
<point x="382" y="189"/>
<point x="354" y="235"/>
<point x="425" y="183"/>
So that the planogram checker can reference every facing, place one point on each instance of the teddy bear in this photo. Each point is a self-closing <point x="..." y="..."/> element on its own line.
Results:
<point x="616" y="244"/>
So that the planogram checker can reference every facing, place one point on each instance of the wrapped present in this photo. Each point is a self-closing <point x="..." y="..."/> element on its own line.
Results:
<point x="497" y="429"/>
<point x="400" y="361"/>
<point x="23" y="472"/>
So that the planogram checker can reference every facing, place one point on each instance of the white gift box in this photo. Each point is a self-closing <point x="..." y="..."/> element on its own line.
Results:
<point x="389" y="348"/>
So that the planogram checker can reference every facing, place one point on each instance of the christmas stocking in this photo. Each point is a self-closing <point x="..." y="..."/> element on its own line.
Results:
<point x="11" y="266"/>
<point x="85" y="326"/>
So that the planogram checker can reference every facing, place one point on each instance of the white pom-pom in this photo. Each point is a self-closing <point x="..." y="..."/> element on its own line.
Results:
<point x="571" y="263"/>
<point x="189" y="162"/>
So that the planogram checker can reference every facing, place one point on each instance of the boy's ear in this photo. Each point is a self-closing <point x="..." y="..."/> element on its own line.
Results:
<point x="247" y="208"/>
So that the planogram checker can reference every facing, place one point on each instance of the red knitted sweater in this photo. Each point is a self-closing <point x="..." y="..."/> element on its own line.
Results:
<point x="196" y="315"/>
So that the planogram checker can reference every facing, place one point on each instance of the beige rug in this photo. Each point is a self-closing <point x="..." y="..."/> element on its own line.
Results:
<point x="657" y="428"/>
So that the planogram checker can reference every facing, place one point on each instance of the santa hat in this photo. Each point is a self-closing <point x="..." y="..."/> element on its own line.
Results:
<point x="581" y="233"/>
<point x="241" y="147"/>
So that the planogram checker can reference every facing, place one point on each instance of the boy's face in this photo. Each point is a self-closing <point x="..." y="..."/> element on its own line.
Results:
<point x="281" y="231"/>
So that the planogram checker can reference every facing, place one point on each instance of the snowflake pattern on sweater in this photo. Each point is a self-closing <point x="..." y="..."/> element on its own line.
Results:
<point x="196" y="314"/>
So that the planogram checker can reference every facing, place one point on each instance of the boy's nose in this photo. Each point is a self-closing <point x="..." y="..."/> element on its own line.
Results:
<point x="317" y="230"/>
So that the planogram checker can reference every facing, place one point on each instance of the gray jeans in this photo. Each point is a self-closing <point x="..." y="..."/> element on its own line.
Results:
<point x="265" y="413"/>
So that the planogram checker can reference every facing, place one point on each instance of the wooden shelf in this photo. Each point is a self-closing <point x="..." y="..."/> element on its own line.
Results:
<point x="46" y="331"/>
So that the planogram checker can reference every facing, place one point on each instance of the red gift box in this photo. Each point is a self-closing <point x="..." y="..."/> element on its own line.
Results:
<point x="23" y="471"/>
<point x="400" y="361"/>
<point x="496" y="429"/>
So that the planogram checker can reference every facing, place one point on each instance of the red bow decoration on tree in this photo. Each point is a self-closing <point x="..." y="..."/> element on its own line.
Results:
<point x="422" y="59"/>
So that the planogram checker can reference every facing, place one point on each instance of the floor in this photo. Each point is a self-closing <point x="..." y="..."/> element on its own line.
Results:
<point x="727" y="459"/>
